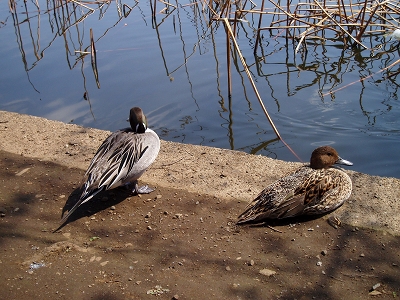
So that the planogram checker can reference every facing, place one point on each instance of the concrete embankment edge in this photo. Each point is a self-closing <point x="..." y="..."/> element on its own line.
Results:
<point x="225" y="174"/>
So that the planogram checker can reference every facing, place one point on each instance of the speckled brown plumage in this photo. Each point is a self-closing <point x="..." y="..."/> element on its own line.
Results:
<point x="313" y="189"/>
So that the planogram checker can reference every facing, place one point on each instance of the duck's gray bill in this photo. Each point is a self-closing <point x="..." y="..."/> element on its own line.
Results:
<point x="342" y="161"/>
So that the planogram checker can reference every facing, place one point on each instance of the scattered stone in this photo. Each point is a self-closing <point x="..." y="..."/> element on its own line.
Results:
<point x="228" y="268"/>
<point x="178" y="216"/>
<point x="22" y="172"/>
<point x="148" y="215"/>
<point x="112" y="207"/>
<point x="324" y="252"/>
<point x="319" y="263"/>
<point x="158" y="290"/>
<point x="375" y="293"/>
<point x="267" y="272"/>
<point x="175" y="297"/>
<point x="362" y="255"/>
<point x="375" y="286"/>
<point x="3" y="212"/>
<point x="251" y="263"/>
<point x="158" y="196"/>
<point x="35" y="266"/>
<point x="149" y="227"/>
<point x="104" y="263"/>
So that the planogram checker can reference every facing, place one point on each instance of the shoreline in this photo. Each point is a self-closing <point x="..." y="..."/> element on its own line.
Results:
<point x="225" y="174"/>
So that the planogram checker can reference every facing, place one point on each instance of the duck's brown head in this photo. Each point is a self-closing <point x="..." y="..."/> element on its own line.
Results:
<point x="326" y="156"/>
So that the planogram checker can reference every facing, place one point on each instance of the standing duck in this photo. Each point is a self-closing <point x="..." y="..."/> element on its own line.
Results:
<point x="122" y="158"/>
<point x="313" y="189"/>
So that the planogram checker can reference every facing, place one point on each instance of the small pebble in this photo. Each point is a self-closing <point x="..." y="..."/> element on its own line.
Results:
<point x="267" y="272"/>
<point x="324" y="252"/>
<point x="375" y="293"/>
<point x="228" y="268"/>
<point x="375" y="286"/>
<point x="319" y="263"/>
<point x="112" y="207"/>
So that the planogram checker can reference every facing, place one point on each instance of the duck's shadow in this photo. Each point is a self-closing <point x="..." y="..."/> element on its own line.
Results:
<point x="285" y="222"/>
<point x="101" y="201"/>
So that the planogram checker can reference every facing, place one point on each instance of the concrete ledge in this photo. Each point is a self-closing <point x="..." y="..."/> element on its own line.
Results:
<point x="228" y="175"/>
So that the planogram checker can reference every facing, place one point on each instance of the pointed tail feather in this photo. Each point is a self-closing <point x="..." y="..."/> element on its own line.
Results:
<point x="86" y="196"/>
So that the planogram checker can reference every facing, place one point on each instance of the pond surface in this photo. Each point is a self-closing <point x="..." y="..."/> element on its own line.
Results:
<point x="174" y="66"/>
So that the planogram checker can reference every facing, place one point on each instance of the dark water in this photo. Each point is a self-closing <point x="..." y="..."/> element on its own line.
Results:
<point x="175" y="68"/>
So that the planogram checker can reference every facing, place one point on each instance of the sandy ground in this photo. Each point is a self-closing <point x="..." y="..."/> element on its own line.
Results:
<point x="180" y="241"/>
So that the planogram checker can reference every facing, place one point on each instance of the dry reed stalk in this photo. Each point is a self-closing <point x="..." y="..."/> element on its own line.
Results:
<point x="366" y="25"/>
<point x="226" y="6"/>
<point x="246" y="69"/>
<point x="83" y="5"/>
<point x="232" y="37"/>
<point x="258" y="30"/>
<point x="362" y="79"/>
<point x="341" y="27"/>
<point x="167" y="3"/>
<point x="303" y="35"/>
<point x="228" y="63"/>
<point x="11" y="5"/>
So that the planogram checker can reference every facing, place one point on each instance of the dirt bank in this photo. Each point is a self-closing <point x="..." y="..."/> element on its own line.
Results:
<point x="180" y="241"/>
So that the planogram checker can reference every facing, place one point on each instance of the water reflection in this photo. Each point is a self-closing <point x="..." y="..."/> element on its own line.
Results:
<point x="310" y="90"/>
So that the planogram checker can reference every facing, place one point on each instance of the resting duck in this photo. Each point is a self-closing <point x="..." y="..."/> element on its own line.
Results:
<point x="313" y="189"/>
<point x="122" y="158"/>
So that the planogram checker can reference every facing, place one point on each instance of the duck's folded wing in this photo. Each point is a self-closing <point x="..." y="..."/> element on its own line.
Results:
<point x="128" y="157"/>
<point x="282" y="199"/>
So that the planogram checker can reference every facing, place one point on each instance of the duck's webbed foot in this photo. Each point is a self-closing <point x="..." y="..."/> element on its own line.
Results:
<point x="140" y="190"/>
<point x="145" y="189"/>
